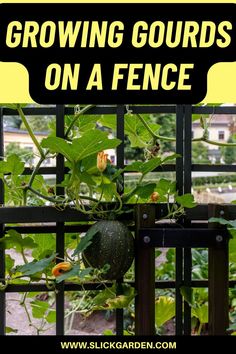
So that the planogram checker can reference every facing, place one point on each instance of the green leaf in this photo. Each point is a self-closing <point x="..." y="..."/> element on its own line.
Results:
<point x="33" y="294"/>
<point x="232" y="246"/>
<point x="89" y="144"/>
<point x="108" y="300"/>
<point x="36" y="267"/>
<point x="9" y="262"/>
<point x="84" y="122"/>
<point x="144" y="167"/>
<point x="71" y="241"/>
<point x="143" y="190"/>
<point x="15" y="165"/>
<point x="222" y="221"/>
<point x="101" y="298"/>
<point x="186" y="200"/>
<point x="200" y="117"/>
<point x="39" y="308"/>
<point x="165" y="186"/>
<point x="12" y="165"/>
<point x="85" y="241"/>
<point x="10" y="330"/>
<point x="93" y="142"/>
<point x="170" y="157"/>
<point x="201" y="313"/>
<point x="150" y="165"/>
<point x="137" y="132"/>
<point x="15" y="240"/>
<point x="121" y="301"/>
<point x="46" y="244"/>
<point x="108" y="121"/>
<point x="51" y="317"/>
<point x="61" y="146"/>
<point x="187" y="294"/>
<point x="89" y="164"/>
<point x="74" y="272"/>
<point x="86" y="178"/>
<point x="164" y="310"/>
<point x="109" y="190"/>
<point x="108" y="332"/>
<point x="134" y="167"/>
<point x="134" y="128"/>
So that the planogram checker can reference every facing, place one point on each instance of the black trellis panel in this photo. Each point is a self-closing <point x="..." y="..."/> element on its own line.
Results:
<point x="120" y="164"/>
<point x="2" y="253"/>
<point x="193" y="230"/>
<point x="60" y="241"/>
<point x="187" y="223"/>
<point x="180" y="188"/>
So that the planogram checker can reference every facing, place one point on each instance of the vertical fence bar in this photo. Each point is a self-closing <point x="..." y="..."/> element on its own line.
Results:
<point x="120" y="155"/>
<point x="144" y="274"/>
<point x="187" y="189"/>
<point x="120" y="134"/>
<point x="2" y="250"/>
<point x="60" y="225"/>
<point x="179" y="251"/>
<point x="218" y="274"/>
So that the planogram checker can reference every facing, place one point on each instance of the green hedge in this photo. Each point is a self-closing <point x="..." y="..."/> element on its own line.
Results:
<point x="201" y="181"/>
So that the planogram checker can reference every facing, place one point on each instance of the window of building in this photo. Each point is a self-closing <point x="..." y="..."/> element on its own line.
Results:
<point x="221" y="135"/>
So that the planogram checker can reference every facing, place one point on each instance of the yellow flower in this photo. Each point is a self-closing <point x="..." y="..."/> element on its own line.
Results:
<point x="61" y="268"/>
<point x="102" y="161"/>
<point x="155" y="196"/>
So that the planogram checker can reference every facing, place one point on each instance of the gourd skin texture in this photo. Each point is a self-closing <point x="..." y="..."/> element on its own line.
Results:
<point x="113" y="244"/>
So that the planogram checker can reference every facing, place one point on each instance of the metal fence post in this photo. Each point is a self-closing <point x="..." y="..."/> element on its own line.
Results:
<point x="144" y="274"/>
<point x="60" y="110"/>
<point x="180" y="187"/>
<point x="120" y="156"/>
<point x="218" y="274"/>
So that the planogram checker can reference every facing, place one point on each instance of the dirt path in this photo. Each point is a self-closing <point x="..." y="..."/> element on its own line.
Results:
<point x="17" y="318"/>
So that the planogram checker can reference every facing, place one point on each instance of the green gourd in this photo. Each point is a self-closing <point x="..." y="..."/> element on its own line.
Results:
<point x="112" y="244"/>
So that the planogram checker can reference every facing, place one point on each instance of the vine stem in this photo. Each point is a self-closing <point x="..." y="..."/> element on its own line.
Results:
<point x="23" y="256"/>
<point x="199" y="329"/>
<point x="84" y="110"/>
<point x="212" y="142"/>
<point x="54" y="200"/>
<point x="36" y="169"/>
<point x="32" y="177"/>
<point x="154" y="135"/>
<point x="30" y="131"/>
<point x="160" y="137"/>
<point x="50" y="199"/>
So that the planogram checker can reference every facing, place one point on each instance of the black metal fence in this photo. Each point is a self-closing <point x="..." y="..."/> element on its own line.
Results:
<point x="195" y="232"/>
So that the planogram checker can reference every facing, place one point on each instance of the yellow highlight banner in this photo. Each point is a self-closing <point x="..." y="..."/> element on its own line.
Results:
<point x="116" y="52"/>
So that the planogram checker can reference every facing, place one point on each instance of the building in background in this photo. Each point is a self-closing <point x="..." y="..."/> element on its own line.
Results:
<point x="222" y="127"/>
<point x="17" y="137"/>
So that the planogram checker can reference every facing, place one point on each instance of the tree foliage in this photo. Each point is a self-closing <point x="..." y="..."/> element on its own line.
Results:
<point x="168" y="129"/>
<point x="38" y="123"/>
<point x="229" y="152"/>
<point x="200" y="153"/>
<point x="15" y="149"/>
